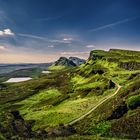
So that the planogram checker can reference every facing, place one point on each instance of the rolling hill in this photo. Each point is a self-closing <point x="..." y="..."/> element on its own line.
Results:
<point x="99" y="99"/>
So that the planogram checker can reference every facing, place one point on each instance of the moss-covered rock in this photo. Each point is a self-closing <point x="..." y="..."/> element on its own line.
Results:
<point x="133" y="101"/>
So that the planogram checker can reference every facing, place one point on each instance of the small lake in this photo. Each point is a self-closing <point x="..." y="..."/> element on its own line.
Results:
<point x="46" y="71"/>
<point x="16" y="80"/>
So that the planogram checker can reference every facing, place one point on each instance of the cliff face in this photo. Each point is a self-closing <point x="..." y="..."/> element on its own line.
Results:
<point x="120" y="115"/>
<point x="130" y="65"/>
<point x="96" y="54"/>
<point x="126" y="59"/>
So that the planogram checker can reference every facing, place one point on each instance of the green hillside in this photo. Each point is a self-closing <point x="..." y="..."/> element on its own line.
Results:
<point x="99" y="99"/>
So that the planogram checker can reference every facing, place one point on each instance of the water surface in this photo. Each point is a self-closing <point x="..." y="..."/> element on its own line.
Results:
<point x="16" y="80"/>
<point x="46" y="72"/>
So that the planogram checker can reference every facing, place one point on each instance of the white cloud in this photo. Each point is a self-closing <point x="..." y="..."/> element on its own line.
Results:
<point x="73" y="53"/>
<point x="68" y="39"/>
<point x="6" y="32"/>
<point x="90" y="46"/>
<point x="2" y="48"/>
<point x="50" y="46"/>
<point x="64" y="40"/>
<point x="32" y="36"/>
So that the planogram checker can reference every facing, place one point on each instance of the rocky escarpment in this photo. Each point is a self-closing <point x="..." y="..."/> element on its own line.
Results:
<point x="125" y="59"/>
<point x="131" y="65"/>
<point x="96" y="54"/>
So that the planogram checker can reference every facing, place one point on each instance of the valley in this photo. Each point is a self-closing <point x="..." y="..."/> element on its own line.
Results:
<point x="99" y="98"/>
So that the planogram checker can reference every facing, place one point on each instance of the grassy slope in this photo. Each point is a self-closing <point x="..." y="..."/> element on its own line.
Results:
<point x="47" y="111"/>
<point x="65" y="95"/>
<point x="55" y="68"/>
<point x="103" y="120"/>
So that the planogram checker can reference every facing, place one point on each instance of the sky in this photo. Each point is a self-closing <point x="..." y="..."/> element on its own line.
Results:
<point x="40" y="31"/>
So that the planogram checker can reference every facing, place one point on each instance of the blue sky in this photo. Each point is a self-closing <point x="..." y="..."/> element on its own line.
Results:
<point x="44" y="30"/>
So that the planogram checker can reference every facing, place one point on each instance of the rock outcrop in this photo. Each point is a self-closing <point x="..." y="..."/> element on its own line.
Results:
<point x="77" y="60"/>
<point x="63" y="61"/>
<point x="69" y="62"/>
<point x="131" y="65"/>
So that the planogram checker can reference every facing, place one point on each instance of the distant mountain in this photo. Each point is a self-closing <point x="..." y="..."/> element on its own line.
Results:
<point x="77" y="61"/>
<point x="63" y="61"/>
<point x="71" y="61"/>
<point x="6" y="68"/>
<point x="21" y="70"/>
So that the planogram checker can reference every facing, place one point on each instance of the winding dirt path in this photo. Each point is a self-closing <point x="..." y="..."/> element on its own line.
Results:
<point x="102" y="101"/>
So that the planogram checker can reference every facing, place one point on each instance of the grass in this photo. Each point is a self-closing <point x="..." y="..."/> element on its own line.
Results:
<point x="133" y="101"/>
<point x="121" y="76"/>
<point x="2" y="137"/>
<point x="90" y="85"/>
<point x="63" y="96"/>
<point x="65" y="112"/>
<point x="48" y="115"/>
<point x="109" y="65"/>
<point x="43" y="96"/>
<point x="55" y="68"/>
<point x="92" y="124"/>
<point x="84" y="137"/>
<point x="78" y="79"/>
<point x="101" y="128"/>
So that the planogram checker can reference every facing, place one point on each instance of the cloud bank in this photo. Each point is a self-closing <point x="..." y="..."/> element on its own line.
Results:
<point x="6" y="32"/>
